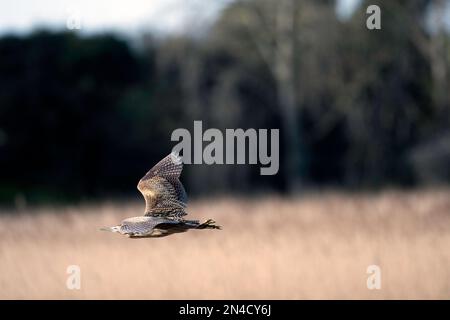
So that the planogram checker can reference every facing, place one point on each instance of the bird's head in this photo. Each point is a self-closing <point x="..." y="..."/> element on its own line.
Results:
<point x="111" y="229"/>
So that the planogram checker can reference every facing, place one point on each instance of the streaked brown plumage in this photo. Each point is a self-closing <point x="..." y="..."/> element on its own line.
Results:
<point x="163" y="193"/>
<point x="165" y="204"/>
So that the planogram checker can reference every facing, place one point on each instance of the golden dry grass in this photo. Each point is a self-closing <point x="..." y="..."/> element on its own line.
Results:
<point x="316" y="246"/>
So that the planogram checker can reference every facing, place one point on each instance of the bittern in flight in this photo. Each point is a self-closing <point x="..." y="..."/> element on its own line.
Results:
<point x="165" y="204"/>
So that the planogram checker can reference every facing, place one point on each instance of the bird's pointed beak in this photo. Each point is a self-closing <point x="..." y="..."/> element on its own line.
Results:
<point x="110" y="229"/>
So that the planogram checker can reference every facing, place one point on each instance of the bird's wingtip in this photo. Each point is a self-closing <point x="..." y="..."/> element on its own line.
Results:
<point x="175" y="156"/>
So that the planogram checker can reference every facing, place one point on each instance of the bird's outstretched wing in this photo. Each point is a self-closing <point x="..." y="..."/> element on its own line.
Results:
<point x="162" y="190"/>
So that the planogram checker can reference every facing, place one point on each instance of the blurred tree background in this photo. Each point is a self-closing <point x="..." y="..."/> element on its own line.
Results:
<point x="84" y="117"/>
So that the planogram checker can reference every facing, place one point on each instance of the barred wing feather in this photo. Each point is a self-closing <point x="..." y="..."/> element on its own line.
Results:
<point x="162" y="190"/>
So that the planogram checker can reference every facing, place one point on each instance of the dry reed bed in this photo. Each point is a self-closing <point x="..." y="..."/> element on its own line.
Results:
<point x="314" y="246"/>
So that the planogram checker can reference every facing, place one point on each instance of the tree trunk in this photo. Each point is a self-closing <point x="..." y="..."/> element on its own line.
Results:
<point x="284" y="74"/>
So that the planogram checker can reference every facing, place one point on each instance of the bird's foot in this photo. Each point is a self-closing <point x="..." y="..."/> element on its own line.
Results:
<point x="210" y="224"/>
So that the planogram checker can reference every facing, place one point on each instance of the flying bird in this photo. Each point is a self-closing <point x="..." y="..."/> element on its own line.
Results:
<point x="165" y="204"/>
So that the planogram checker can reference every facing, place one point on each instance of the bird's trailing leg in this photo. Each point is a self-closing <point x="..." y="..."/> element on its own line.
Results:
<point x="208" y="224"/>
